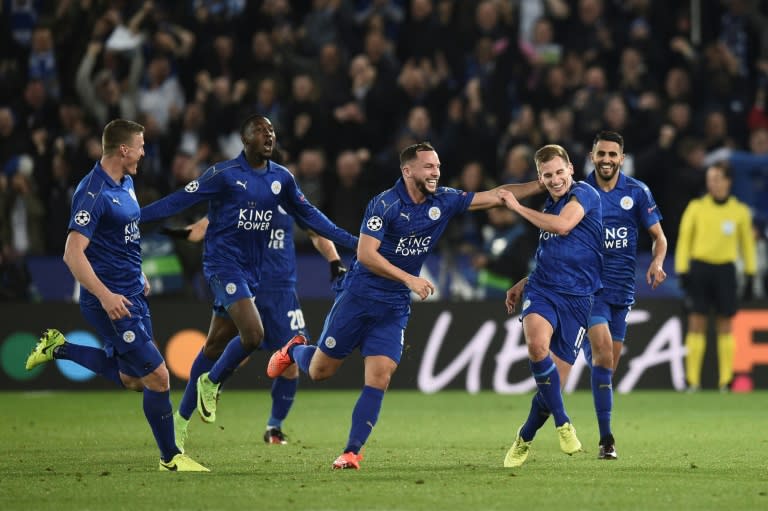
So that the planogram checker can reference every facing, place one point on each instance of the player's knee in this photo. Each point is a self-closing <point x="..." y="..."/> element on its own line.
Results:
<point x="131" y="383"/>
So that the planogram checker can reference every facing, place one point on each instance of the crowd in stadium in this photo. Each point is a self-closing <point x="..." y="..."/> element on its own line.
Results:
<point x="349" y="83"/>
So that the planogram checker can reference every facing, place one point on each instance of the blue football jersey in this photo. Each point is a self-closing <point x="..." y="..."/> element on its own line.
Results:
<point x="626" y="208"/>
<point x="278" y="267"/>
<point x="107" y="214"/>
<point x="408" y="233"/>
<point x="571" y="264"/>
<point x="242" y="203"/>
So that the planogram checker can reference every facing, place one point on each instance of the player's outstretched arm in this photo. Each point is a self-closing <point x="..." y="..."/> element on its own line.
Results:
<point x="491" y="198"/>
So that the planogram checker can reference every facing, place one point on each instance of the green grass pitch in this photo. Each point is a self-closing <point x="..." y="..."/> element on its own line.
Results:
<point x="94" y="451"/>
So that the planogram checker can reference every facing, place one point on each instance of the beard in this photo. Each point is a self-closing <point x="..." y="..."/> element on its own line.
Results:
<point x="422" y="187"/>
<point x="611" y="172"/>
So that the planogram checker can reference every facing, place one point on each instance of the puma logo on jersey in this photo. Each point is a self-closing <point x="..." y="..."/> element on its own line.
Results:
<point x="407" y="216"/>
<point x="114" y="200"/>
<point x="242" y="183"/>
<point x="91" y="194"/>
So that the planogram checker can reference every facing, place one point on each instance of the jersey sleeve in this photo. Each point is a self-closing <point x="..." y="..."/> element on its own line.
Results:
<point x="87" y="208"/>
<point x="205" y="187"/>
<point x="647" y="210"/>
<point x="587" y="197"/>
<point x="747" y="242"/>
<point x="375" y="219"/>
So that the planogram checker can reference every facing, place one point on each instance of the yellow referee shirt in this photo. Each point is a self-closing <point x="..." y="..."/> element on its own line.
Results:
<point x="716" y="234"/>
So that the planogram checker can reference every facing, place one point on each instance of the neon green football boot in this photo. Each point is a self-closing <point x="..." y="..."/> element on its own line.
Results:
<point x="518" y="453"/>
<point x="207" y="396"/>
<point x="182" y="463"/>
<point x="569" y="442"/>
<point x="43" y="351"/>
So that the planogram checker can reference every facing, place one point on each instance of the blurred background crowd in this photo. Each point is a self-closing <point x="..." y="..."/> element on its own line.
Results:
<point x="349" y="83"/>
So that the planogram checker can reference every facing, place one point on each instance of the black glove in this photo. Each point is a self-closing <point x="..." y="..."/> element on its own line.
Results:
<point x="748" y="294"/>
<point x="179" y="233"/>
<point x="337" y="269"/>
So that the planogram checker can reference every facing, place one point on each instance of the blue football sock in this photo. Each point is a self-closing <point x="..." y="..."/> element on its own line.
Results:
<point x="536" y="417"/>
<point x="91" y="358"/>
<point x="233" y="355"/>
<point x="548" y="381"/>
<point x="364" y="417"/>
<point x="283" y="392"/>
<point x="602" y="394"/>
<point x="302" y="355"/>
<point x="159" y="413"/>
<point x="202" y="364"/>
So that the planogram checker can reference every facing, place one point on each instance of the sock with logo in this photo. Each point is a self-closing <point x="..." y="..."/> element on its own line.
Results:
<point x="602" y="395"/>
<point x="726" y="347"/>
<point x="91" y="358"/>
<point x="283" y="393"/>
<point x="302" y="355"/>
<point x="233" y="356"/>
<point x="695" y="346"/>
<point x="202" y="364"/>
<point x="536" y="417"/>
<point x="364" y="417"/>
<point x="548" y="381"/>
<point x="159" y="413"/>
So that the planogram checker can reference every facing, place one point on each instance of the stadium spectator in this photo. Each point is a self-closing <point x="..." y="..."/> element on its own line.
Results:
<point x="112" y="300"/>
<point x="627" y="205"/>
<point x="396" y="234"/>
<point x="555" y="312"/>
<point x="715" y="231"/>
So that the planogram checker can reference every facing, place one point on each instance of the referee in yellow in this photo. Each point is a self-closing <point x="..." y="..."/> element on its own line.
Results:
<point x="715" y="231"/>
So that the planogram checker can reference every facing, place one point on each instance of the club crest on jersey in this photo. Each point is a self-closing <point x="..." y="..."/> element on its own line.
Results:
<point x="330" y="342"/>
<point x="129" y="336"/>
<point x="626" y="202"/>
<point x="132" y="194"/>
<point x="728" y="227"/>
<point x="192" y="186"/>
<point x="276" y="187"/>
<point x="82" y="218"/>
<point x="434" y="213"/>
<point x="526" y="304"/>
<point x="231" y="288"/>
<point x="374" y="223"/>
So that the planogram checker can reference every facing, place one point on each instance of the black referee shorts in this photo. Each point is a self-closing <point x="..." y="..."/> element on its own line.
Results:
<point x="712" y="287"/>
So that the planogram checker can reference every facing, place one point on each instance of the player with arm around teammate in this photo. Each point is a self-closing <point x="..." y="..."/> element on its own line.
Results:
<point x="557" y="296"/>
<point x="400" y="228"/>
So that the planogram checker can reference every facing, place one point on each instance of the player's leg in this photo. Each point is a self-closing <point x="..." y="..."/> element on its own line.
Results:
<point x="220" y="330"/>
<point x="235" y="294"/>
<point x="159" y="411"/>
<point x="601" y="377"/>
<point x="382" y="346"/>
<point x="342" y="331"/>
<point x="53" y="344"/>
<point x="283" y="319"/>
